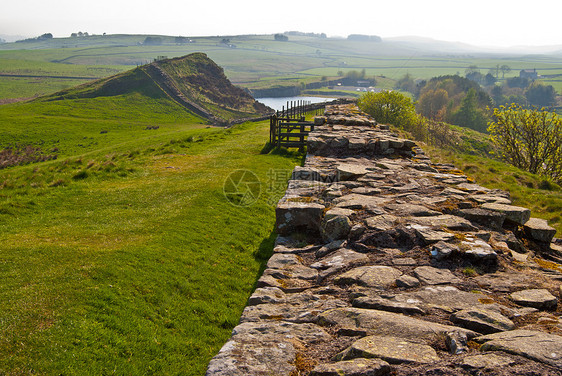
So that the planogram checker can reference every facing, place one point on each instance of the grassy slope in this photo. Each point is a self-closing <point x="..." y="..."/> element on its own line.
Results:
<point x="124" y="256"/>
<point x="79" y="126"/>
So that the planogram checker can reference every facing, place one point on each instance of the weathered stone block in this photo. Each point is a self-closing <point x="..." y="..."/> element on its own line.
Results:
<point x="539" y="346"/>
<point x="536" y="298"/>
<point x="482" y="321"/>
<point x="390" y="349"/>
<point x="355" y="367"/>
<point x="515" y="214"/>
<point x="293" y="216"/>
<point x="539" y="230"/>
<point x="335" y="227"/>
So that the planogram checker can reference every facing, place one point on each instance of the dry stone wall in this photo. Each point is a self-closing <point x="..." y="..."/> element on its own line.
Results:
<point x="387" y="263"/>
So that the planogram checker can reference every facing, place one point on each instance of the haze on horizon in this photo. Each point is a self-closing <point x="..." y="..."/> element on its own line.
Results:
<point x="479" y="22"/>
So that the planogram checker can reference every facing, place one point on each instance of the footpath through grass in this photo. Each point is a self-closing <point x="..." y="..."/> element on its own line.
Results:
<point x="131" y="261"/>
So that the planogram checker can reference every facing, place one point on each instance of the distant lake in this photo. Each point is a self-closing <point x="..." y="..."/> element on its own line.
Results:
<point x="278" y="103"/>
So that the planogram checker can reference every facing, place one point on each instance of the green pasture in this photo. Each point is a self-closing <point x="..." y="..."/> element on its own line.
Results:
<point x="78" y="126"/>
<point x="124" y="256"/>
<point x="255" y="61"/>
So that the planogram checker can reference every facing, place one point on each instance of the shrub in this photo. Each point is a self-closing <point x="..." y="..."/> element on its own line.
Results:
<point x="389" y="107"/>
<point x="529" y="139"/>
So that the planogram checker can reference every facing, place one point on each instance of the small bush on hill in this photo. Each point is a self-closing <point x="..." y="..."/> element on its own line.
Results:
<point x="529" y="139"/>
<point x="389" y="107"/>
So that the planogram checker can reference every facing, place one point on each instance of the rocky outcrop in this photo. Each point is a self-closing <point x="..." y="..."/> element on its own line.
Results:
<point x="387" y="263"/>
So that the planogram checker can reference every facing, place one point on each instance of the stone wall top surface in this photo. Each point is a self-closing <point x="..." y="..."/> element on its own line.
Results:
<point x="387" y="262"/>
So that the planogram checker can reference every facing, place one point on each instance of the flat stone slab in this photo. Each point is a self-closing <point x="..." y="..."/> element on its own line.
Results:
<point x="471" y="187"/>
<point x="482" y="321"/>
<point x="370" y="276"/>
<point x="486" y="361"/>
<point x="351" y="171"/>
<point x="366" y="191"/>
<point x="478" y="249"/>
<point x="383" y="222"/>
<point x="404" y="261"/>
<point x="539" y="230"/>
<point x="341" y="258"/>
<point x="292" y="272"/>
<point x="356" y="201"/>
<point x="285" y="284"/>
<point x="264" y="349"/>
<point x="391" y="349"/>
<point x="407" y="281"/>
<point x="354" y="367"/>
<point x="282" y="260"/>
<point x="297" y="308"/>
<point x="506" y="281"/>
<point x="306" y="173"/>
<point x="447" y="298"/>
<point x="495" y="199"/>
<point x="542" y="347"/>
<point x="411" y="210"/>
<point x="536" y="298"/>
<point x="374" y="322"/>
<point x="489" y="218"/>
<point x="266" y="295"/>
<point x="429" y="235"/>
<point x="515" y="214"/>
<point x="333" y="212"/>
<point x="375" y="302"/>
<point x="449" y="221"/>
<point x="434" y="276"/>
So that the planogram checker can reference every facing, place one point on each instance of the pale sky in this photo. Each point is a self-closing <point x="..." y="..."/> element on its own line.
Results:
<point x="480" y="22"/>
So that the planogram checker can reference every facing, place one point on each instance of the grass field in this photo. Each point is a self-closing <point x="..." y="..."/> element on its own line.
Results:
<point x="123" y="256"/>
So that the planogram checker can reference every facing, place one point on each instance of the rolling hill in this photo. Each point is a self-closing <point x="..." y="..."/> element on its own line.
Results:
<point x="194" y="81"/>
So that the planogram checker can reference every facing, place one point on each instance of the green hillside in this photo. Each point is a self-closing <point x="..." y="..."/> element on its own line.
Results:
<point x="193" y="81"/>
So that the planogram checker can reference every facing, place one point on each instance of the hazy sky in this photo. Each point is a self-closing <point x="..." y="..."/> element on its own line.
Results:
<point x="479" y="22"/>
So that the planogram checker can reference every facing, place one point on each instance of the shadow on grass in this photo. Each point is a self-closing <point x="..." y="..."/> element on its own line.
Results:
<point x="264" y="252"/>
<point x="271" y="149"/>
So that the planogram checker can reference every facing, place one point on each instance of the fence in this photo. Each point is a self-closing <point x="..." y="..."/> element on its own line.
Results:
<point x="289" y="128"/>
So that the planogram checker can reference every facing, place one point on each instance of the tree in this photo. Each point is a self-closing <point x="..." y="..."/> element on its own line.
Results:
<point x="45" y="36"/>
<point x="471" y="69"/>
<point x="432" y="104"/>
<point x="521" y="82"/>
<point x="281" y="37"/>
<point x="469" y="115"/>
<point x="152" y="41"/>
<point x="489" y="79"/>
<point x="406" y="83"/>
<point x="505" y="69"/>
<point x="541" y="95"/>
<point x="389" y="107"/>
<point x="529" y="139"/>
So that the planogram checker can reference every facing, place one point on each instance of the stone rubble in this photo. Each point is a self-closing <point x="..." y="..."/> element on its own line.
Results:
<point x="387" y="263"/>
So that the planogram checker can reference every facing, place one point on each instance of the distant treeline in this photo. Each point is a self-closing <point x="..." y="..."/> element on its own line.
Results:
<point x="45" y="36"/>
<point x="364" y="38"/>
